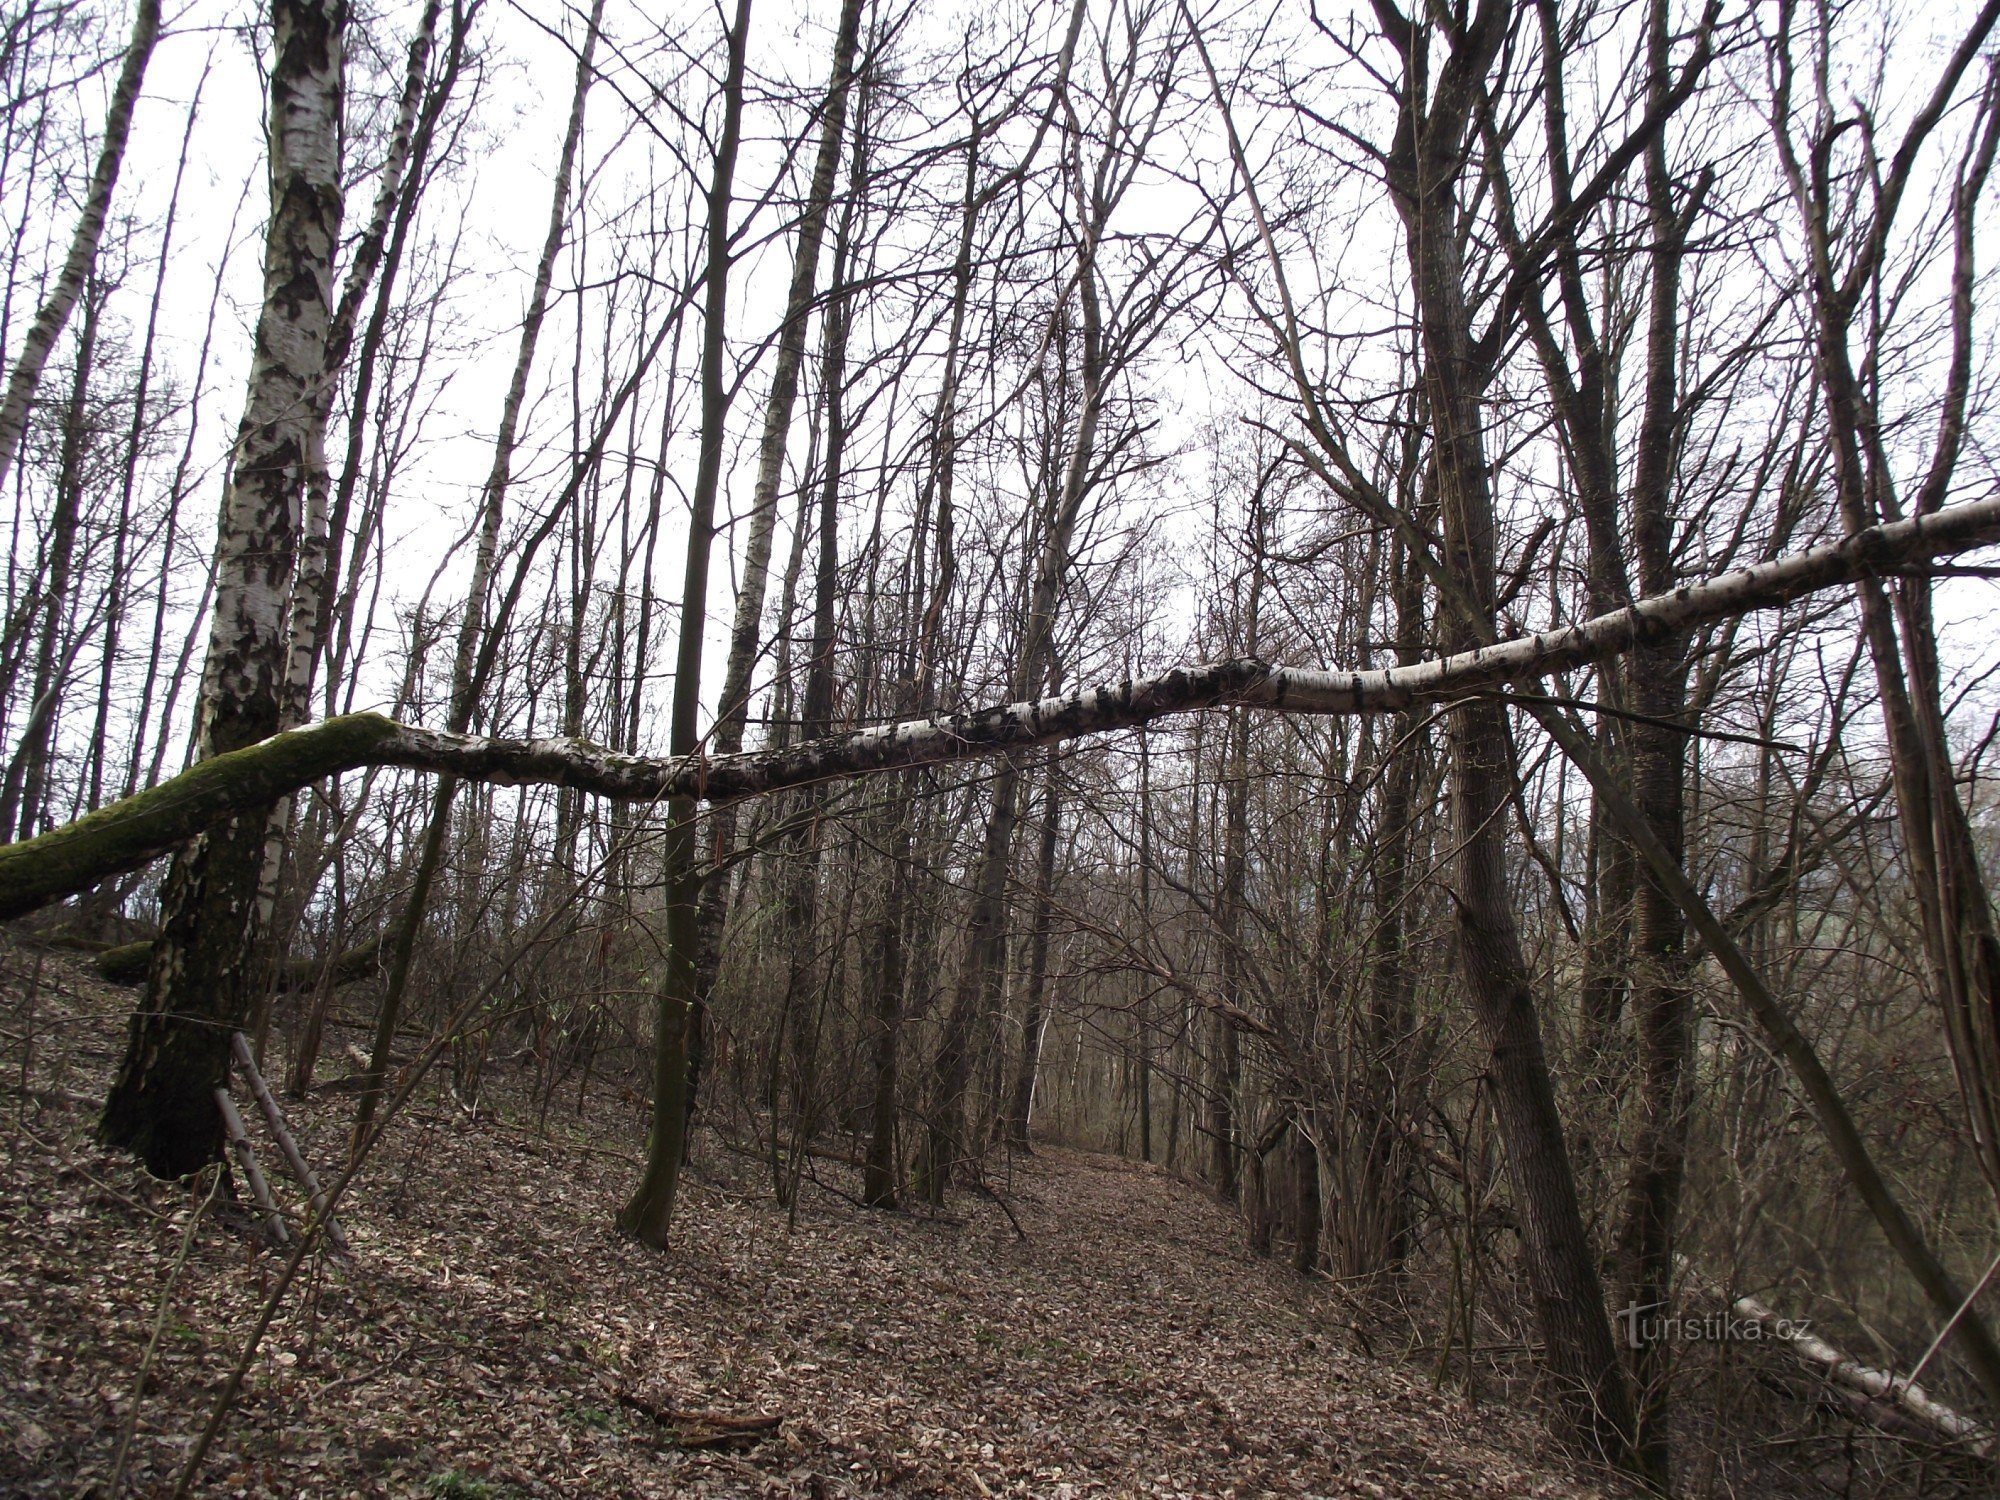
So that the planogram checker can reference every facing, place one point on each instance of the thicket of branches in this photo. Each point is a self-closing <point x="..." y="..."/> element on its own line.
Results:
<point x="831" y="370"/>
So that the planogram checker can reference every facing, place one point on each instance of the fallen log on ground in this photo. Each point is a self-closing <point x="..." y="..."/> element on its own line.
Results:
<point x="1895" y="1403"/>
<point x="128" y="962"/>
<point x="132" y="832"/>
<point x="1877" y="1394"/>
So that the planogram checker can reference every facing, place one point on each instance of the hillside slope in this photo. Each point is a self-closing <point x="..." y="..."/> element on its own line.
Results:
<point x="491" y="1336"/>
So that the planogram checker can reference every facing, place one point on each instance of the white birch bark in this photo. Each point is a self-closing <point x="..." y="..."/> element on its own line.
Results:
<point x="281" y="443"/>
<point x="128" y="833"/>
<point x="1877" y="1389"/>
<point x="303" y="623"/>
<point x="177" y="1053"/>
<point x="306" y="611"/>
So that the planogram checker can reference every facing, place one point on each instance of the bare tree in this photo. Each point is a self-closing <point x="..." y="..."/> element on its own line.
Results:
<point x="81" y="261"/>
<point x="161" y="1105"/>
<point x="649" y="1213"/>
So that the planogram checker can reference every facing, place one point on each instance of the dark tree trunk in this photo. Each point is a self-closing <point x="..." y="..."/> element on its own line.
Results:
<point x="1587" y="1383"/>
<point x="21" y="800"/>
<point x="1305" y="1190"/>
<point x="1227" y="1066"/>
<point x="1657" y="679"/>
<point x="1021" y="1104"/>
<point x="649" y="1213"/>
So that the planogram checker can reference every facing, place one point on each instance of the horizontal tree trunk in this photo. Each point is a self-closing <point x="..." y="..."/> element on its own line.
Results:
<point x="129" y="833"/>
<point x="128" y="962"/>
<point x="1882" y="1391"/>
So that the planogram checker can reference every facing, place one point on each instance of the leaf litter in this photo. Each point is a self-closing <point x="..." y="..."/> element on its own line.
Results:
<point x="491" y="1335"/>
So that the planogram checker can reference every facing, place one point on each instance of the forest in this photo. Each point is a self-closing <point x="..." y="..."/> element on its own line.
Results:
<point x="1260" y="721"/>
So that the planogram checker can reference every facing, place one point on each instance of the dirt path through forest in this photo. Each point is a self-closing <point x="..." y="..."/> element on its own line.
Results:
<point x="492" y="1337"/>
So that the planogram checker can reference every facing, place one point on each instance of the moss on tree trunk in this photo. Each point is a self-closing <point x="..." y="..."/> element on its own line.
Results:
<point x="162" y="1105"/>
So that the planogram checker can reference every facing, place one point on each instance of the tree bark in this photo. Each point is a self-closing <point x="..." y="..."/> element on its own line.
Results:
<point x="880" y="1180"/>
<point x="161" y="1105"/>
<point x="649" y="1213"/>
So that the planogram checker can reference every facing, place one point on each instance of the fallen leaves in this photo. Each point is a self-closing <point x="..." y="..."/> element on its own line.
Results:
<point x="492" y="1336"/>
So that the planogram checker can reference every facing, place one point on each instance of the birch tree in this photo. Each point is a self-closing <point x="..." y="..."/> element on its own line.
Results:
<point x="161" y="1105"/>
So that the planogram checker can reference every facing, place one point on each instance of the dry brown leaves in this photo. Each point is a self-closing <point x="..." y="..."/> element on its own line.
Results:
<point x="493" y="1337"/>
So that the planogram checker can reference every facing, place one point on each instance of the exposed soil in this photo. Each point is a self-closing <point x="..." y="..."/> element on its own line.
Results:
<point x="492" y="1336"/>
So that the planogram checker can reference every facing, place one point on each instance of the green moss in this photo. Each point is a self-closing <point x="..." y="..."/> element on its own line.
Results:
<point x="142" y="827"/>
<point x="126" y="964"/>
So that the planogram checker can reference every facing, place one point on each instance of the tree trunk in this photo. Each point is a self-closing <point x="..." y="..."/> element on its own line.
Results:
<point x="1227" y="1072"/>
<point x="1034" y="665"/>
<point x="1142" y="1013"/>
<point x="161" y="1105"/>
<point x="946" y="1141"/>
<point x="1305" y="1189"/>
<point x="649" y="1213"/>
<point x="1656" y="675"/>
<point x="747" y="627"/>
<point x="1587" y="1383"/>
<point x="919" y="695"/>
<point x="880" y="1185"/>
<point x="1373" y="1234"/>
<point x="1021" y="1103"/>
<point x="21" y="799"/>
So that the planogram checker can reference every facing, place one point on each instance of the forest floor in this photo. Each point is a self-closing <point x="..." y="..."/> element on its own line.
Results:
<point x="492" y="1336"/>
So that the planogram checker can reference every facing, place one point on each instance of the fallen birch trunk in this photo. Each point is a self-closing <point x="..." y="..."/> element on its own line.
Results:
<point x="140" y="828"/>
<point x="246" y="1157"/>
<point x="1878" y="1389"/>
